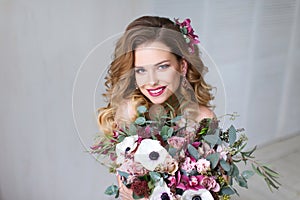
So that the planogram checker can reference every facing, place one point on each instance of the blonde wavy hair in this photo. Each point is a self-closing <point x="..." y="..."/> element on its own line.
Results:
<point x="120" y="79"/>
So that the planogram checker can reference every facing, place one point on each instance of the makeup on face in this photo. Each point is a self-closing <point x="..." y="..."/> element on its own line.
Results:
<point x="157" y="72"/>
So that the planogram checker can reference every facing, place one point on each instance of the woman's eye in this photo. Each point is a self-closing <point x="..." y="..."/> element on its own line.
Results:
<point x="163" y="66"/>
<point x="140" y="71"/>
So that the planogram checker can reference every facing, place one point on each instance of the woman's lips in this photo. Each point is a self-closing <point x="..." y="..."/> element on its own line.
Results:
<point x="156" y="91"/>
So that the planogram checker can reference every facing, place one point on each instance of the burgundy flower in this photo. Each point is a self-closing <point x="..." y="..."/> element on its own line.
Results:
<point x="144" y="132"/>
<point x="140" y="188"/>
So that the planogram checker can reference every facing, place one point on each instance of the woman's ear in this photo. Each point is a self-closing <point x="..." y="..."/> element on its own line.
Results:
<point x="183" y="66"/>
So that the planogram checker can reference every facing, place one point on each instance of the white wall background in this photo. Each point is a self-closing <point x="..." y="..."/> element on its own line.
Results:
<point x="255" y="44"/>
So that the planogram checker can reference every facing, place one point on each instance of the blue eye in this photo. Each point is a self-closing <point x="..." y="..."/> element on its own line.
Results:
<point x="140" y="71"/>
<point x="165" y="66"/>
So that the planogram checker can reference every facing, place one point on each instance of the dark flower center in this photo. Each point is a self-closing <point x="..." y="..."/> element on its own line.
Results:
<point x="127" y="149"/>
<point x="197" y="197"/>
<point x="154" y="155"/>
<point x="164" y="196"/>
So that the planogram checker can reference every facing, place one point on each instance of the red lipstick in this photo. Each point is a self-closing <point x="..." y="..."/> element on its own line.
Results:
<point x="156" y="91"/>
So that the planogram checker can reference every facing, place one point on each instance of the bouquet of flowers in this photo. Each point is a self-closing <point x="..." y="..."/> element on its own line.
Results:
<point x="173" y="157"/>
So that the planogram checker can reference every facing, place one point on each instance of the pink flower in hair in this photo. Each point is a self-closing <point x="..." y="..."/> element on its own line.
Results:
<point x="188" y="33"/>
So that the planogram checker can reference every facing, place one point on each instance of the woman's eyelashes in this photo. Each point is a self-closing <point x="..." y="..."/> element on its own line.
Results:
<point x="142" y="70"/>
<point x="164" y="66"/>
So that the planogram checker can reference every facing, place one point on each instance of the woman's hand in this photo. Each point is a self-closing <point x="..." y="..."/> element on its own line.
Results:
<point x="125" y="193"/>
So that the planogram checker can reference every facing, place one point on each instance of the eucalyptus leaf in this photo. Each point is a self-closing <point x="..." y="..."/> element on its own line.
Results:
<point x="242" y="181"/>
<point x="212" y="139"/>
<point x="164" y="130"/>
<point x="234" y="172"/>
<point x="141" y="109"/>
<point x="172" y="151"/>
<point x="175" y="119"/>
<point x="247" y="174"/>
<point x="227" y="191"/>
<point x="125" y="174"/>
<point x="225" y="165"/>
<point x="170" y="132"/>
<point x="112" y="190"/>
<point x="193" y="151"/>
<point x="155" y="176"/>
<point x="232" y="134"/>
<point x="134" y="196"/>
<point x="132" y="129"/>
<point x="121" y="138"/>
<point x="214" y="159"/>
<point x="140" y="120"/>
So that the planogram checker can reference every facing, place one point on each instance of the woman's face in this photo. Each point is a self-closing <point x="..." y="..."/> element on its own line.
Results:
<point x="157" y="71"/>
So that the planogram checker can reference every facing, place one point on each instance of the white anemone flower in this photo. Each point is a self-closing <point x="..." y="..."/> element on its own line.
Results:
<point x="126" y="146"/>
<point x="150" y="154"/>
<point x="201" y="194"/>
<point x="161" y="192"/>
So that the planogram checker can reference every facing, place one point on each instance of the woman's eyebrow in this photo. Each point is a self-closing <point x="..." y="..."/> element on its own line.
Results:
<point x="154" y="64"/>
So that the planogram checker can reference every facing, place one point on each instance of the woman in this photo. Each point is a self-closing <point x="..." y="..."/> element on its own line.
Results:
<point x="156" y="62"/>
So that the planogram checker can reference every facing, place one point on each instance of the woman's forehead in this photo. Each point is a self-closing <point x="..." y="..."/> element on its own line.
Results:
<point x="152" y="54"/>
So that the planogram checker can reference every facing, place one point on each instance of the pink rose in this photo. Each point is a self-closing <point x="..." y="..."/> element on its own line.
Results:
<point x="202" y="165"/>
<point x="176" y="142"/>
<point x="188" y="165"/>
<point x="210" y="184"/>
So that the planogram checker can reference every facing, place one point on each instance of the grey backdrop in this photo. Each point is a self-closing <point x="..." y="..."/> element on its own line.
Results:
<point x="255" y="45"/>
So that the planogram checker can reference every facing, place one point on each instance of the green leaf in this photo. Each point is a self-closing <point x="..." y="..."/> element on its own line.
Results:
<point x="212" y="139"/>
<point x="132" y="129"/>
<point x="203" y="131"/>
<point x="112" y="190"/>
<point x="248" y="153"/>
<point x="124" y="174"/>
<point x="140" y="120"/>
<point x="227" y="191"/>
<point x="256" y="170"/>
<point x="155" y="176"/>
<point x="177" y="118"/>
<point x="193" y="151"/>
<point x="242" y="181"/>
<point x="172" y="151"/>
<point x="232" y="135"/>
<point x="121" y="138"/>
<point x="170" y="132"/>
<point x="134" y="196"/>
<point x="225" y="165"/>
<point x="270" y="171"/>
<point x="234" y="171"/>
<point x="214" y="159"/>
<point x="164" y="130"/>
<point x="247" y="174"/>
<point x="141" y="109"/>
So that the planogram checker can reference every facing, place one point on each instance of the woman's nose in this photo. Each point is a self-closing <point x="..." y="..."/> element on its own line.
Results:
<point x="152" y="78"/>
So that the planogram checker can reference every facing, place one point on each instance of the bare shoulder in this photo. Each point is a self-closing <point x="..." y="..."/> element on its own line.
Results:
<point x="205" y="112"/>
